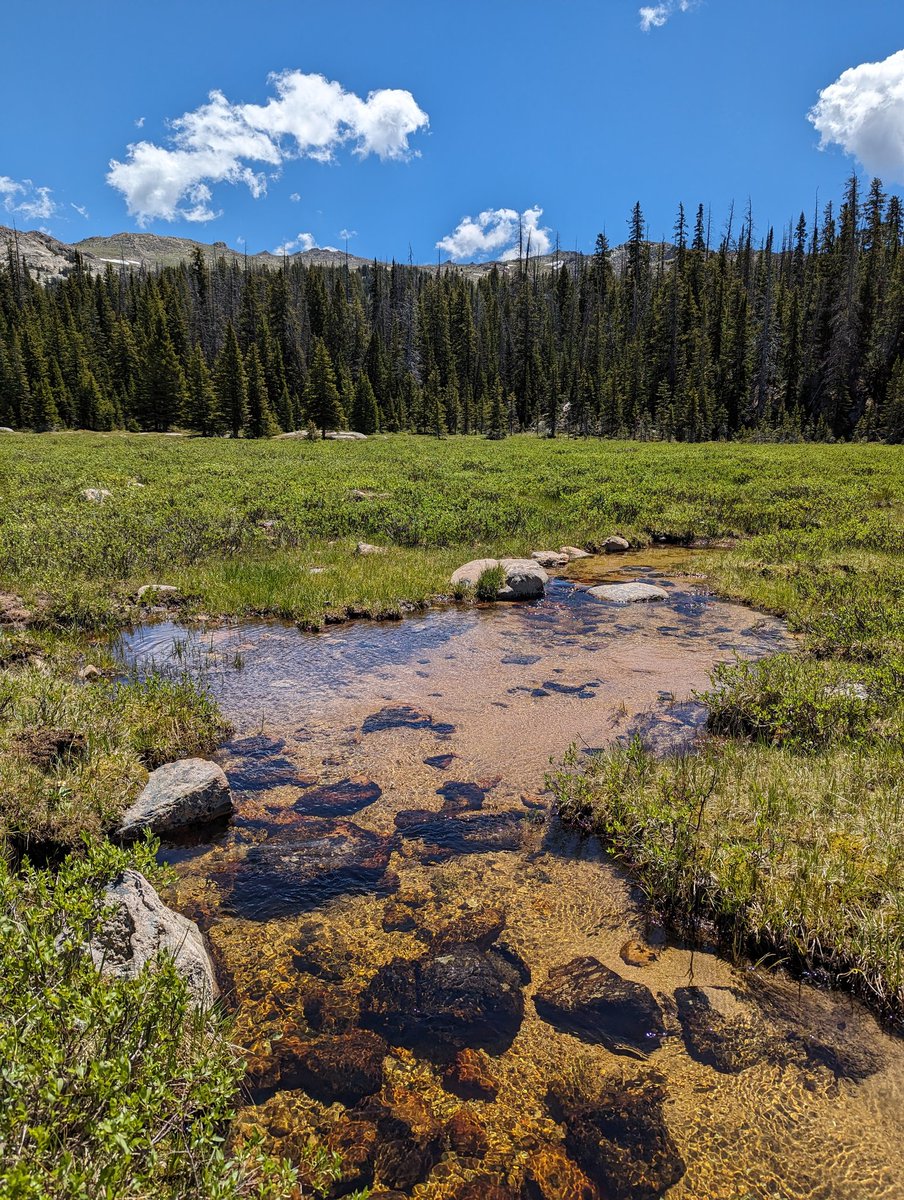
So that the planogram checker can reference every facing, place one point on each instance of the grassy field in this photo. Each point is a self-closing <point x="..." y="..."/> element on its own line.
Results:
<point x="785" y="835"/>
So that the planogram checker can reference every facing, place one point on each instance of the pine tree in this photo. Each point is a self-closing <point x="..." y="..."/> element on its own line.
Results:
<point x="202" y="409"/>
<point x="365" y="414"/>
<point x="324" y="407"/>
<point x="261" y="422"/>
<point x="231" y="384"/>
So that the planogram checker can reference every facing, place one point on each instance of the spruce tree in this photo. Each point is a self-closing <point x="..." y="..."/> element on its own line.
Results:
<point x="261" y="422"/>
<point x="365" y="414"/>
<point x="231" y="384"/>
<point x="322" y="402"/>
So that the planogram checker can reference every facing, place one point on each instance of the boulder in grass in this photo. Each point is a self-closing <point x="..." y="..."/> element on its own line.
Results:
<point x="149" y="593"/>
<point x="616" y="545"/>
<point x="6" y="429"/>
<point x="468" y="574"/>
<point x="365" y="548"/>
<point x="96" y="495"/>
<point x="177" y="796"/>
<point x="628" y="593"/>
<point x="139" y="926"/>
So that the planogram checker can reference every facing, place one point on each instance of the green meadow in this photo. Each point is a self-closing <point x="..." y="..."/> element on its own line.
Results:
<point x="783" y="838"/>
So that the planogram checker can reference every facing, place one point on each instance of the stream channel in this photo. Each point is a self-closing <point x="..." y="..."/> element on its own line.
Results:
<point x="466" y="1000"/>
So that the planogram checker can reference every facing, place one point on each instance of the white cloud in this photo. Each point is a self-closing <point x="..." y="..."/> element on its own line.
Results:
<point x="495" y="232"/>
<point x="654" y="16"/>
<point x="309" y="117"/>
<point x="348" y="234"/>
<point x="295" y="197"/>
<point x="80" y="209"/>
<point x="139" y="122"/>
<point x="863" y="112"/>
<point x="303" y="241"/>
<point x="23" y="198"/>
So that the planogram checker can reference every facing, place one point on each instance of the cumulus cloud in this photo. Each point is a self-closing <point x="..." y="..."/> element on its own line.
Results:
<point x="654" y="16"/>
<point x="302" y="241"/>
<point x="23" y="198"/>
<point x="863" y="112"/>
<point x="497" y="232"/>
<point x="308" y="117"/>
<point x="295" y="197"/>
<point x="348" y="234"/>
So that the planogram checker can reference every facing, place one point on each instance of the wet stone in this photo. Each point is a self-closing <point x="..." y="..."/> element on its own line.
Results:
<point x="256" y="747"/>
<point x="620" y="1139"/>
<point x="466" y="1134"/>
<point x="409" y="1138"/>
<point x="339" y="799"/>
<point x="484" y="1187"/>
<point x="403" y="716"/>
<point x="552" y="1175"/>
<point x="346" y="1067"/>
<point x="355" y="1141"/>
<point x="469" y="1076"/>
<point x="446" y="836"/>
<point x="720" y="1030"/>
<point x="261" y="773"/>
<point x="586" y="999"/>
<point x="480" y="928"/>
<point x="461" y="797"/>
<point x="636" y="954"/>
<point x="440" y="762"/>
<point x="319" y="861"/>
<point x="461" y="997"/>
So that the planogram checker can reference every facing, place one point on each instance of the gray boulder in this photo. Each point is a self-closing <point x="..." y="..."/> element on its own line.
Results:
<point x="156" y="591"/>
<point x="524" y="579"/>
<point x="96" y="495"/>
<point x="139" y="926"/>
<point x="572" y="553"/>
<point x="469" y="574"/>
<point x="365" y="548"/>
<point x="6" y="429"/>
<point x="628" y="593"/>
<point x="616" y="545"/>
<point x="180" y="794"/>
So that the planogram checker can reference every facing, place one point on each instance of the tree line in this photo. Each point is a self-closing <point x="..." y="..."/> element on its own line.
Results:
<point x="691" y="340"/>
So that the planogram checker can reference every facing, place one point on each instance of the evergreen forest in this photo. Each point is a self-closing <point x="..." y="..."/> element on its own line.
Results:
<point x="793" y="337"/>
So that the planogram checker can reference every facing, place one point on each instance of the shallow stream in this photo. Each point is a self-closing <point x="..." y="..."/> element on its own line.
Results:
<point x="465" y="999"/>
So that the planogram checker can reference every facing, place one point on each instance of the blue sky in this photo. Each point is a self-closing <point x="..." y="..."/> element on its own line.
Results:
<point x="499" y="108"/>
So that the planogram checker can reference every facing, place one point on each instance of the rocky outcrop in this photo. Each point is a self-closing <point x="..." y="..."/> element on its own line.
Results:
<point x="586" y="999"/>
<point x="462" y="996"/>
<point x="176" y="796"/>
<point x="138" y="925"/>
<point x="628" y="593"/>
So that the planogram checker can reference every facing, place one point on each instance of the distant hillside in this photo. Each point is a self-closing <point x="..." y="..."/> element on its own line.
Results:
<point x="50" y="258"/>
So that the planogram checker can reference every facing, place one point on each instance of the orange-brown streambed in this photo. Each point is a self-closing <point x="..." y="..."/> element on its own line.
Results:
<point x="430" y="975"/>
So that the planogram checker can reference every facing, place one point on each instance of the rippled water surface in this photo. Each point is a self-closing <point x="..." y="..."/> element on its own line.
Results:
<point x="467" y="1001"/>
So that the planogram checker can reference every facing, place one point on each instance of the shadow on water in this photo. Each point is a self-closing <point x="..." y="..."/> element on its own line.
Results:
<point x="431" y="976"/>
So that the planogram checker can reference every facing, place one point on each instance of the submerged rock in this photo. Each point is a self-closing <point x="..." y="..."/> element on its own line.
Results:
<point x="409" y="1137"/>
<point x="636" y="954"/>
<point x="321" y="860"/>
<point x="346" y="1067"/>
<point x="591" y="1002"/>
<point x="139" y="926"/>
<point x="469" y="1076"/>
<point x="339" y="799"/>
<point x="466" y="1134"/>
<point x="180" y="794"/>
<point x="484" y="1187"/>
<point x="628" y="593"/>
<point x="445" y="835"/>
<point x="462" y="996"/>
<point x="551" y="1175"/>
<point x="720" y="1030"/>
<point x="620" y="1138"/>
<point x="479" y="928"/>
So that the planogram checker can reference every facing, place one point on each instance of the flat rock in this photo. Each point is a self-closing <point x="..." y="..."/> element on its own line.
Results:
<point x="346" y="1067"/>
<point x="6" y="429"/>
<point x="178" y="795"/>
<point x="628" y="593"/>
<point x="551" y="1175"/>
<point x="586" y="999"/>
<point x="720" y="1030"/>
<point x="550" y="558"/>
<point x="365" y="548"/>
<point x="165" y="592"/>
<point x="339" y="799"/>
<point x="573" y="553"/>
<point x="139" y="926"/>
<point x="469" y="1076"/>
<point x="344" y="435"/>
